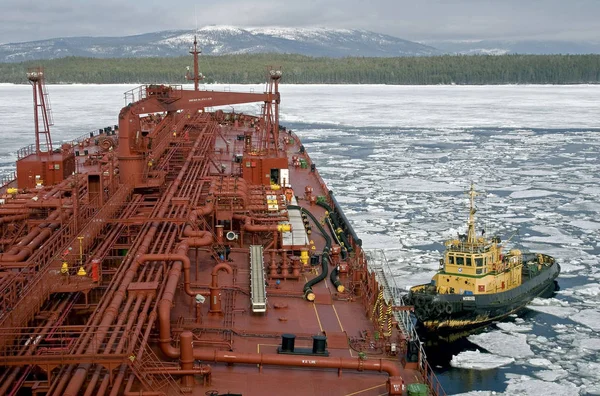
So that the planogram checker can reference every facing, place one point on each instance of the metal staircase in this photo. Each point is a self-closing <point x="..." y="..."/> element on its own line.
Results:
<point x="142" y="360"/>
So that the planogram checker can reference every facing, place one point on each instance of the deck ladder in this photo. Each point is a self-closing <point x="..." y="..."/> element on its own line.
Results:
<point x="258" y="288"/>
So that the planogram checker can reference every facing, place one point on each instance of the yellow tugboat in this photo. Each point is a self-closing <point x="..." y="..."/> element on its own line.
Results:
<point x="478" y="283"/>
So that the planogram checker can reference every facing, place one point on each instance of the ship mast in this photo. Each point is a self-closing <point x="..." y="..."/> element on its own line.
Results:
<point x="197" y="76"/>
<point x="471" y="231"/>
<point x="40" y="107"/>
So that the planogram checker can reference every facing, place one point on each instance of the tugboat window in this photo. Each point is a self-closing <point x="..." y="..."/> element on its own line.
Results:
<point x="469" y="261"/>
<point x="451" y="260"/>
<point x="460" y="260"/>
<point x="479" y="262"/>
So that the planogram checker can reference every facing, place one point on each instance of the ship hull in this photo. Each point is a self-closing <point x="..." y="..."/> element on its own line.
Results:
<point x="446" y="313"/>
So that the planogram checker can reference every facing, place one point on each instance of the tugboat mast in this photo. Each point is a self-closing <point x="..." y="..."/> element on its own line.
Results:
<point x="471" y="238"/>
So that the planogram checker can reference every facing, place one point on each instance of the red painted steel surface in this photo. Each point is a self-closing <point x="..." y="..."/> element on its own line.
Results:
<point x="134" y="275"/>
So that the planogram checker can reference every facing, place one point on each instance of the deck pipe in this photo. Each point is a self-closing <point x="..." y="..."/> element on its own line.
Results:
<point x="19" y="253"/>
<point x="110" y="313"/>
<point x="164" y="314"/>
<point x="50" y="324"/>
<point x="248" y="226"/>
<point x="13" y="218"/>
<point x="133" y="314"/>
<point x="58" y="386"/>
<point x="215" y="297"/>
<point x="273" y="359"/>
<point x="32" y="233"/>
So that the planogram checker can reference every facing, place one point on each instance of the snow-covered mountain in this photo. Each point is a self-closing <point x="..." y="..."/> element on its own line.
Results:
<point x="219" y="40"/>
<point x="501" y="47"/>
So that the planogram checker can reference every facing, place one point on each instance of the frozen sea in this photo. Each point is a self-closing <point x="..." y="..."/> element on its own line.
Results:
<point x="400" y="159"/>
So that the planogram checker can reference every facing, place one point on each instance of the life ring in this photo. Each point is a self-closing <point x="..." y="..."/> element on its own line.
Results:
<point x="448" y="308"/>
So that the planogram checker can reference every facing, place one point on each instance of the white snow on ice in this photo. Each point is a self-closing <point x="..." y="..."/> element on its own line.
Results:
<point x="479" y="361"/>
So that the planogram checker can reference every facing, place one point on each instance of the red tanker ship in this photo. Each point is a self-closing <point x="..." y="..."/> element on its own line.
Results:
<point x="190" y="251"/>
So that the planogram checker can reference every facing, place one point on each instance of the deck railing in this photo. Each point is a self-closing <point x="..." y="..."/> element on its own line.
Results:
<point x="378" y="263"/>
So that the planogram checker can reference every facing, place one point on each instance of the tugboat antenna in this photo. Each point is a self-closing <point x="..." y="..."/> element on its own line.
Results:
<point x="471" y="237"/>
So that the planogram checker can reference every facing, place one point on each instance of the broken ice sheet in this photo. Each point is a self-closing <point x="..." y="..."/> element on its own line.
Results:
<point x="503" y="344"/>
<point x="479" y="360"/>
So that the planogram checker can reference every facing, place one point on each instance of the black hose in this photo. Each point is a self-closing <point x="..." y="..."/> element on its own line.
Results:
<point x="308" y="292"/>
<point x="325" y="206"/>
<point x="344" y="254"/>
<point x="333" y="217"/>
<point x="334" y="278"/>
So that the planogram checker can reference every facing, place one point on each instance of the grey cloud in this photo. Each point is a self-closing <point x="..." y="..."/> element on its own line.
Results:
<point x="409" y="19"/>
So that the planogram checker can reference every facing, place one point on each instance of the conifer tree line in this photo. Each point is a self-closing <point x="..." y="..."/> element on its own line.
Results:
<point x="299" y="69"/>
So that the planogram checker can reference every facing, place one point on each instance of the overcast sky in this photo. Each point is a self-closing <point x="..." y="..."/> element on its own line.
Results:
<point x="418" y="20"/>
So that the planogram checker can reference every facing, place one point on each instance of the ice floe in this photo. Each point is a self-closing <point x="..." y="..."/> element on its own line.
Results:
<point x="479" y="361"/>
<point x="531" y="194"/>
<point x="503" y="344"/>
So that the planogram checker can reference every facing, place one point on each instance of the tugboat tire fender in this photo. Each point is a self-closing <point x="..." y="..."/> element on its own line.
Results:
<point x="428" y="307"/>
<point x="439" y="307"/>
<point x="420" y="300"/>
<point x="448" y="308"/>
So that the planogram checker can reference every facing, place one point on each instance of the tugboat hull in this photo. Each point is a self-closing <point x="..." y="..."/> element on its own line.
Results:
<point x="453" y="312"/>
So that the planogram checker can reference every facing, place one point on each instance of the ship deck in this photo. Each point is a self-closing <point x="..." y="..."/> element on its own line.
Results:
<point x="338" y="316"/>
<point x="166" y="265"/>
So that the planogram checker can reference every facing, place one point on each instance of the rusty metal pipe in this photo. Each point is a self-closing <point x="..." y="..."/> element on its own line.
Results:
<point x="140" y="320"/>
<point x="57" y="388"/>
<point x="56" y="316"/>
<point x="35" y="231"/>
<point x="133" y="315"/>
<point x="204" y="370"/>
<point x="53" y="203"/>
<point x="27" y="250"/>
<point x="125" y="156"/>
<point x="186" y="340"/>
<point x="272" y="359"/>
<point x="10" y="219"/>
<point x="18" y="254"/>
<point x="215" y="295"/>
<point x="248" y="226"/>
<point x="14" y="211"/>
<point x="215" y="273"/>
